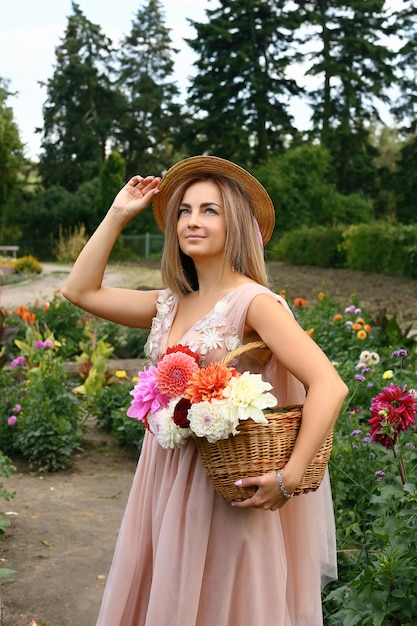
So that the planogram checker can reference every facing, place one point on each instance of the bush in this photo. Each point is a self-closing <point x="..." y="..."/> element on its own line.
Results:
<point x="318" y="246"/>
<point x="27" y="264"/>
<point x="382" y="248"/>
<point x="70" y="243"/>
<point x="110" y="409"/>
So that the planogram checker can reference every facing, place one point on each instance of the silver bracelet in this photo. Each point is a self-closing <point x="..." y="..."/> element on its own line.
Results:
<point x="284" y="492"/>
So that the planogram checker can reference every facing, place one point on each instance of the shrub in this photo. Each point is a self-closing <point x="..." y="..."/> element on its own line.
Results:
<point x="110" y="409"/>
<point x="319" y="245"/>
<point x="382" y="248"/>
<point x="70" y="243"/>
<point x="27" y="264"/>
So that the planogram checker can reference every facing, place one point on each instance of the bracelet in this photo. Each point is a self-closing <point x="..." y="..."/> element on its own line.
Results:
<point x="284" y="492"/>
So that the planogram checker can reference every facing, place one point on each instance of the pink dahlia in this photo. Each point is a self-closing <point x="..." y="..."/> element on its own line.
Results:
<point x="147" y="397"/>
<point x="174" y="372"/>
<point x="393" y="410"/>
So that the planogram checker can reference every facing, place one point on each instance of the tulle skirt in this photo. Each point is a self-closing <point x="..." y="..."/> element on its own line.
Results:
<point x="185" y="557"/>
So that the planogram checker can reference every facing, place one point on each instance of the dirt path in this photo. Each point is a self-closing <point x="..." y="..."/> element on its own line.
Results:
<point x="64" y="526"/>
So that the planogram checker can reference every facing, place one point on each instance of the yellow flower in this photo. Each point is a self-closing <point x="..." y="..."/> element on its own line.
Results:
<point x="388" y="374"/>
<point x="120" y="374"/>
<point x="310" y="331"/>
<point x="361" y="334"/>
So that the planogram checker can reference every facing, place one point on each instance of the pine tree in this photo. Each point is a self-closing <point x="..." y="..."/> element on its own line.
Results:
<point x="239" y="98"/>
<point x="355" y="68"/>
<point x="151" y="116"/>
<point x="80" y="107"/>
<point x="11" y="163"/>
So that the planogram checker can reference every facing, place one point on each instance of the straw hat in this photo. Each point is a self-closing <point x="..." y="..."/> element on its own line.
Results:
<point x="258" y="197"/>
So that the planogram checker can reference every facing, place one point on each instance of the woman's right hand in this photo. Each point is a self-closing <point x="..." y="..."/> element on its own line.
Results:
<point x="135" y="196"/>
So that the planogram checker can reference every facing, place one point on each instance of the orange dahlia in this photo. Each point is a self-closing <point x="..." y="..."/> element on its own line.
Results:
<point x="209" y="383"/>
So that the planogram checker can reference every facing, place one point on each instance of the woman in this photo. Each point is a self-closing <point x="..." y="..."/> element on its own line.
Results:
<point x="185" y="556"/>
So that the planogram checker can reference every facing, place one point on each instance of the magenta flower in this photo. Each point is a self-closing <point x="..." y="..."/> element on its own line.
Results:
<point x="393" y="410"/>
<point x="39" y="345"/>
<point x="17" y="408"/>
<point x="20" y="360"/>
<point x="12" y="420"/>
<point x="146" y="396"/>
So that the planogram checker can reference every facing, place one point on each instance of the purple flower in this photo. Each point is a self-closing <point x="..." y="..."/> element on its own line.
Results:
<point x="357" y="311"/>
<point x="350" y="309"/>
<point x="20" y="360"/>
<point x="401" y="353"/>
<point x="356" y="433"/>
<point x="379" y="475"/>
<point x="367" y="439"/>
<point x="146" y="396"/>
<point x="359" y="377"/>
<point x="410" y="445"/>
<point x="44" y="345"/>
<point x="12" y="420"/>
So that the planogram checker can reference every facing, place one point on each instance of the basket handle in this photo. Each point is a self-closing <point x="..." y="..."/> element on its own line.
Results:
<point x="253" y="345"/>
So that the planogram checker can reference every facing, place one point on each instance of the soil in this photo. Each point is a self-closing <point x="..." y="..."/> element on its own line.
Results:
<point x="64" y="526"/>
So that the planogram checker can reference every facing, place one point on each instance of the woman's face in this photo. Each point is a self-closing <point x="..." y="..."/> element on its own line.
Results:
<point x="201" y="226"/>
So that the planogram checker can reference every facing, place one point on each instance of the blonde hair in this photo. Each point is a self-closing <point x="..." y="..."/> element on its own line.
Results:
<point x="242" y="248"/>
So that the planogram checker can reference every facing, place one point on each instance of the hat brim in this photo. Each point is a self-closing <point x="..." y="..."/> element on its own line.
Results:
<point x="258" y="196"/>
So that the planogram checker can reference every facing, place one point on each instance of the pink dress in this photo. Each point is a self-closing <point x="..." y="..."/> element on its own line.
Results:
<point x="184" y="556"/>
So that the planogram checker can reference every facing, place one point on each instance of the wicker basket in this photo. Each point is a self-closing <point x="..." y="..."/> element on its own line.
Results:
<point x="259" y="448"/>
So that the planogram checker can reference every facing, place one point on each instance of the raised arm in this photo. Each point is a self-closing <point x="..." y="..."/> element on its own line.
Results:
<point x="84" y="285"/>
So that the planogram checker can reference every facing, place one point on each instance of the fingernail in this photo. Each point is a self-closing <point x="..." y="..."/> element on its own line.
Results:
<point x="155" y="191"/>
<point x="238" y="483"/>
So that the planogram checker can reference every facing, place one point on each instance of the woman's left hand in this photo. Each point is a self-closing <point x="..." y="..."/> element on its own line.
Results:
<point x="268" y="495"/>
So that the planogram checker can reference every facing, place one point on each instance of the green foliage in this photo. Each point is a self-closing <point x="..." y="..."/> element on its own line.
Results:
<point x="11" y="163"/>
<point x="317" y="245"/>
<point x="382" y="248"/>
<point x="240" y="92"/>
<point x="27" y="264"/>
<point x="112" y="178"/>
<point x="375" y="503"/>
<point x="306" y="200"/>
<point x="62" y="319"/>
<point x="70" y="244"/>
<point x="6" y="468"/>
<point x="377" y="247"/>
<point x="81" y="105"/>
<point x="110" y="408"/>
<point x="151" y="117"/>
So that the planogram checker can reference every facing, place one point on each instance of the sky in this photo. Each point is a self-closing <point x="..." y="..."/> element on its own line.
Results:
<point x="30" y="32"/>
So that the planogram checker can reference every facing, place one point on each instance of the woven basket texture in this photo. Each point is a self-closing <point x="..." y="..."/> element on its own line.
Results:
<point x="259" y="448"/>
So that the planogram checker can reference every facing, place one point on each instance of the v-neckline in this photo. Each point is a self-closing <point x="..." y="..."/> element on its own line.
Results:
<point x="175" y="310"/>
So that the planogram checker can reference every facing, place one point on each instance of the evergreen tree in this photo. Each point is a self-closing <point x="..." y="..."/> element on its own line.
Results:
<point x="240" y="95"/>
<point x="11" y="164"/>
<point x="405" y="103"/>
<point x="80" y="107"/>
<point x="355" y="68"/>
<point x="150" y="117"/>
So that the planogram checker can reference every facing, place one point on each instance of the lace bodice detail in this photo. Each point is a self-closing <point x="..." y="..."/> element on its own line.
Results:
<point x="214" y="334"/>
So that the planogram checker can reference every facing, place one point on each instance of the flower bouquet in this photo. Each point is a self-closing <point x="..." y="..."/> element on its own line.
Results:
<point x="227" y="413"/>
